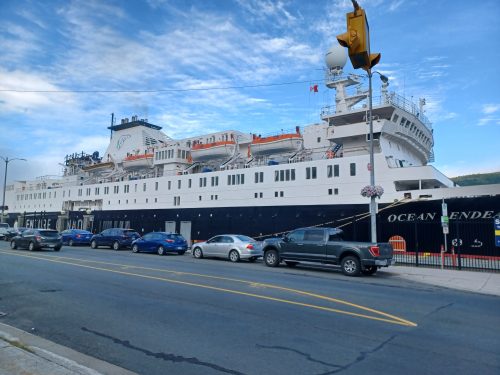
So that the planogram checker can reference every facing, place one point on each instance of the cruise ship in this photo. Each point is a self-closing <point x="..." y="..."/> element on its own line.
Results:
<point x="265" y="184"/>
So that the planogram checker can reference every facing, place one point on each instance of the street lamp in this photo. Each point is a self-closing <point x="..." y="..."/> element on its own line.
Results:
<point x="6" y="160"/>
<point x="373" y="214"/>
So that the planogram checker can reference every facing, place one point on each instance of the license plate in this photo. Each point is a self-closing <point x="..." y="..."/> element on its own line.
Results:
<point x="179" y="248"/>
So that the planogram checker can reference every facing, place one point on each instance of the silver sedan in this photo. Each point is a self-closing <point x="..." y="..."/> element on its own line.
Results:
<point x="232" y="246"/>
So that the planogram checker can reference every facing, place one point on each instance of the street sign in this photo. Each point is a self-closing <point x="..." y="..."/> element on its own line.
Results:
<point x="444" y="208"/>
<point x="497" y="230"/>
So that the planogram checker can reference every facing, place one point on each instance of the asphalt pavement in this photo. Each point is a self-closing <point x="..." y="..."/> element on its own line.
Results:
<point x="24" y="353"/>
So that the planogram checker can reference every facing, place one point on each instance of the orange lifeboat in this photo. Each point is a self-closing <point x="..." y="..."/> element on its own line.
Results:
<point x="214" y="150"/>
<point x="138" y="161"/>
<point x="276" y="144"/>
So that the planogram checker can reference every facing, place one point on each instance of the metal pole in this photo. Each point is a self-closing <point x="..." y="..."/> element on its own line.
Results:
<point x="4" y="186"/>
<point x="373" y="217"/>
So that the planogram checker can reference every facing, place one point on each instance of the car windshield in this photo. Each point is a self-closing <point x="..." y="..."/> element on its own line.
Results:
<point x="245" y="238"/>
<point x="130" y="232"/>
<point x="49" y="233"/>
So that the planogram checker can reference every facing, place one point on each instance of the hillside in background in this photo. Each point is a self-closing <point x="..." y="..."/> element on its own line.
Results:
<point x="477" y="179"/>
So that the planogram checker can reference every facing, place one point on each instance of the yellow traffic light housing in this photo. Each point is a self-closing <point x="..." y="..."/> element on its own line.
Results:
<point x="357" y="40"/>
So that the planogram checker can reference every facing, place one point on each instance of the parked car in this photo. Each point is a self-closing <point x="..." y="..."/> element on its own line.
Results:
<point x="36" y="239"/>
<point x="232" y="246"/>
<point x="12" y="232"/>
<point x="4" y="228"/>
<point x="115" y="238"/>
<point x="160" y="243"/>
<point x="326" y="245"/>
<point x="73" y="237"/>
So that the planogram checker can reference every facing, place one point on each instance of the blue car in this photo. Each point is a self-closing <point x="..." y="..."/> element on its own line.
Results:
<point x="73" y="237"/>
<point x="160" y="243"/>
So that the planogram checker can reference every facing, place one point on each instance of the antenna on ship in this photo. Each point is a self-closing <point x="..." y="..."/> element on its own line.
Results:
<point x="112" y="123"/>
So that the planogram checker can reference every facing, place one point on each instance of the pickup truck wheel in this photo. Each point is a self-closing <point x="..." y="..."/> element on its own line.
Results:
<point x="93" y="245"/>
<point x="370" y="270"/>
<point x="291" y="264"/>
<point x="271" y="258"/>
<point x="350" y="266"/>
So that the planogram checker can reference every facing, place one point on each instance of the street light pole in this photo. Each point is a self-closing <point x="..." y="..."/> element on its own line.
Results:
<point x="6" y="160"/>
<point x="373" y="214"/>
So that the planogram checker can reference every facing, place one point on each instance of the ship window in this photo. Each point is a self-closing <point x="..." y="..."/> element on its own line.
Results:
<point x="407" y="124"/>
<point x="329" y="171"/>
<point x="330" y="191"/>
<point x="156" y="185"/>
<point x="255" y="195"/>
<point x="276" y="194"/>
<point x="319" y="139"/>
<point x="189" y="183"/>
<point x="106" y="190"/>
<point x="199" y="197"/>
<point x="287" y="175"/>
<point x="311" y="173"/>
<point x="156" y="200"/>
<point x="281" y="194"/>
<point x="395" y="118"/>
<point x="261" y="195"/>
<point x="179" y="184"/>
<point x="147" y="200"/>
<point x="293" y="174"/>
<point x="135" y="188"/>
<point x="276" y="175"/>
<point x="403" y="121"/>
<point x="353" y="169"/>
<point x="336" y="191"/>
<point x="96" y="191"/>
<point x="116" y="189"/>
<point x="169" y="185"/>
<point x="259" y="177"/>
<point x="336" y="170"/>
<point x="79" y="192"/>
<point x="282" y="175"/>
<point x="144" y="187"/>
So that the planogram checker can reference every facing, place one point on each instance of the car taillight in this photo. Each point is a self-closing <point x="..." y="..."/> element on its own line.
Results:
<point x="169" y="241"/>
<point x="250" y="246"/>
<point x="38" y="238"/>
<point x="375" y="251"/>
<point x="78" y="236"/>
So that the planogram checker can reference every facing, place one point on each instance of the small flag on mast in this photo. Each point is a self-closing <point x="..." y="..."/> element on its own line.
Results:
<point x="313" y="88"/>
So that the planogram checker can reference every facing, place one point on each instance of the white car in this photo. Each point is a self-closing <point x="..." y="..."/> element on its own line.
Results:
<point x="231" y="246"/>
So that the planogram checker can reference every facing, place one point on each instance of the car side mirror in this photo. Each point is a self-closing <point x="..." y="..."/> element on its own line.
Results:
<point x="285" y="239"/>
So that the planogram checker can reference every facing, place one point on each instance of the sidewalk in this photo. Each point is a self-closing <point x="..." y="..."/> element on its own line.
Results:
<point x="22" y="353"/>
<point x="470" y="281"/>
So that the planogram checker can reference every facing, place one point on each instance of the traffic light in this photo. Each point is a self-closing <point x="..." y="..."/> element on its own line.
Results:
<point x="357" y="40"/>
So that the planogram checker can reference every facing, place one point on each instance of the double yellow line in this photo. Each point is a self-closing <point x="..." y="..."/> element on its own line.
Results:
<point x="377" y="315"/>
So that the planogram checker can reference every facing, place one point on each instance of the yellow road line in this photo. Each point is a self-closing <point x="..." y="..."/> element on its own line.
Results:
<point x="391" y="318"/>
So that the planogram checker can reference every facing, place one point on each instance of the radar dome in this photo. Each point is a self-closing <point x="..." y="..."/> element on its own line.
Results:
<point x="336" y="57"/>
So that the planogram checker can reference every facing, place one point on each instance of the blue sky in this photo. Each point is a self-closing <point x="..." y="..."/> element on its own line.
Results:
<point x="445" y="51"/>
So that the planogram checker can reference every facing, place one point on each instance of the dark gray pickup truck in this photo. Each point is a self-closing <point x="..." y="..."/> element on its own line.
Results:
<point x="325" y="245"/>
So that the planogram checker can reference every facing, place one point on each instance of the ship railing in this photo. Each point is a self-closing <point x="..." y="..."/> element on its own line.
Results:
<point x="390" y="99"/>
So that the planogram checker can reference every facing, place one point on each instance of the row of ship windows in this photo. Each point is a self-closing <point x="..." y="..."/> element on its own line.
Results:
<point x="169" y="154"/>
<point x="233" y="179"/>
<point x="413" y="128"/>
<point x="213" y="197"/>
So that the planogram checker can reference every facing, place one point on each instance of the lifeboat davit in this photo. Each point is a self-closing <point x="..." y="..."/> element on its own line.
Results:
<point x="212" y="151"/>
<point x="138" y="161"/>
<point x="276" y="144"/>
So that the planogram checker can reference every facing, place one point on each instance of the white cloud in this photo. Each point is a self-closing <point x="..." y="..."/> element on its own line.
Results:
<point x="490" y="108"/>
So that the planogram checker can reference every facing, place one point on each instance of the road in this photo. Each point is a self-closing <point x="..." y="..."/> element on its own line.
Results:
<point x="179" y="315"/>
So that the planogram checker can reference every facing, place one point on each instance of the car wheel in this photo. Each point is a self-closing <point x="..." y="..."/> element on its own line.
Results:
<point x="350" y="266"/>
<point x="252" y="259"/>
<point x="197" y="253"/>
<point x="116" y="245"/>
<point x="181" y="252"/>
<point x="71" y="243"/>
<point x="234" y="256"/>
<point x="135" y="249"/>
<point x="57" y="248"/>
<point x="291" y="264"/>
<point x="13" y="245"/>
<point x="271" y="258"/>
<point x="160" y="250"/>
<point x="370" y="270"/>
<point x="93" y="244"/>
<point x="31" y="246"/>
